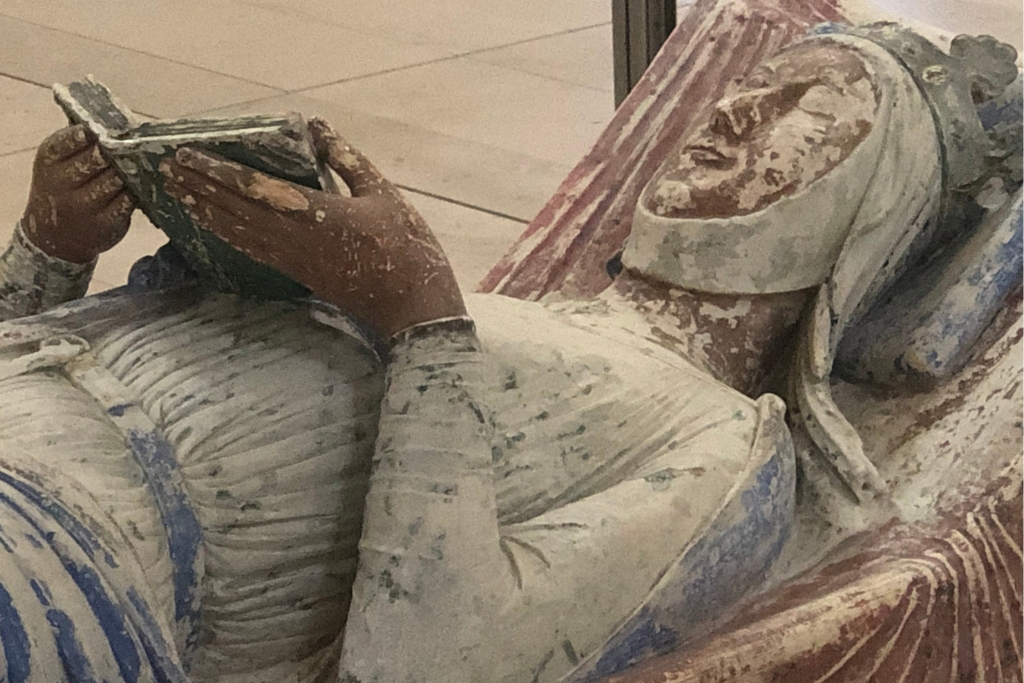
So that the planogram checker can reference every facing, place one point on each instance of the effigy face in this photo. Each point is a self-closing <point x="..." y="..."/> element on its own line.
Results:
<point x="792" y="120"/>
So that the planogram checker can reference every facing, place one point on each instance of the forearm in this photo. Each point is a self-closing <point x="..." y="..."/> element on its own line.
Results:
<point x="32" y="281"/>
<point x="431" y="571"/>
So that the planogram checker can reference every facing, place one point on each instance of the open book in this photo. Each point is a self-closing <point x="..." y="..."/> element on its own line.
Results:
<point x="280" y="146"/>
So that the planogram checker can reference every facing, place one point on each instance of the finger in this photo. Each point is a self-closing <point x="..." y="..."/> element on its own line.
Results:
<point x="194" y="189"/>
<point x="263" y="233"/>
<point x="84" y="166"/>
<point x="65" y="143"/>
<point x="117" y="214"/>
<point x="358" y="172"/>
<point x="102" y="189"/>
<point x="247" y="239"/>
<point x="124" y="200"/>
<point x="323" y="135"/>
<point x="273" y="193"/>
<point x="221" y="213"/>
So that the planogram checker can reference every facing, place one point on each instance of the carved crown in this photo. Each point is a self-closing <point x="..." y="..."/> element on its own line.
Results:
<point x="974" y="93"/>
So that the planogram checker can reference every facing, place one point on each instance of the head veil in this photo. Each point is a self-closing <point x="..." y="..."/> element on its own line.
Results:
<point x="849" y="233"/>
<point x="898" y="211"/>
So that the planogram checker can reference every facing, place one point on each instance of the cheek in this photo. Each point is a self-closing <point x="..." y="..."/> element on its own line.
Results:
<point x="802" y="141"/>
<point x="671" y="196"/>
<point x="787" y="149"/>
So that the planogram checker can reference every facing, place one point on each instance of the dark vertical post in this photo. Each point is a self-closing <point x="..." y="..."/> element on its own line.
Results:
<point x="639" y="28"/>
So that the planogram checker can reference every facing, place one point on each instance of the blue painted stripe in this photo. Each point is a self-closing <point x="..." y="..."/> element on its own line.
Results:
<point x="108" y="613"/>
<point x="5" y="542"/>
<point x="42" y="592"/>
<point x="164" y="670"/>
<point x="69" y="649"/>
<point x="81" y="534"/>
<point x="184" y="533"/>
<point x="159" y="653"/>
<point x="720" y="569"/>
<point x="947" y="337"/>
<point x="17" y="649"/>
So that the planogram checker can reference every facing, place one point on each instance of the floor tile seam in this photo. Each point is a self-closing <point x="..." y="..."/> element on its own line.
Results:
<point x="382" y="72"/>
<point x="347" y="27"/>
<point x="22" y="79"/>
<point x="548" y="77"/>
<point x="524" y="41"/>
<point x="459" y="55"/>
<point x="407" y="188"/>
<point x="463" y="204"/>
<point x="133" y="50"/>
<point x="473" y="56"/>
<point x="17" y="151"/>
<point x="277" y="90"/>
<point x="37" y="84"/>
<point x="211" y="111"/>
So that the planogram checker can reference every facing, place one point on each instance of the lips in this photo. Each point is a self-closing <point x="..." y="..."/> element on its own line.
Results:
<point x="709" y="155"/>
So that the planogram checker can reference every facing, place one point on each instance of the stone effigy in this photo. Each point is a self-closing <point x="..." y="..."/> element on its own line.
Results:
<point x="236" y="439"/>
<point x="929" y="588"/>
<point x="496" y="489"/>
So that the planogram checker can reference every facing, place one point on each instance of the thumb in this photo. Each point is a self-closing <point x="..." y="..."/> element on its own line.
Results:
<point x="358" y="172"/>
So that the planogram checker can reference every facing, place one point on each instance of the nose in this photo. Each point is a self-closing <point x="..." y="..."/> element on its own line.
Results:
<point x="738" y="116"/>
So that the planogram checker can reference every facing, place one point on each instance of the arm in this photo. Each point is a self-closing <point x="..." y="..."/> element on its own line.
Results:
<point x="431" y="574"/>
<point x="77" y="209"/>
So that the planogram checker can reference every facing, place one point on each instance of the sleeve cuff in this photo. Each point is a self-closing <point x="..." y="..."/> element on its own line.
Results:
<point x="448" y="335"/>
<point x="41" y="281"/>
<point x="30" y="252"/>
<point x="458" y="332"/>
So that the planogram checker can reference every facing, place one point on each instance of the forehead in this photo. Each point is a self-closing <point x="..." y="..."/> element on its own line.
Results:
<point x="822" y="60"/>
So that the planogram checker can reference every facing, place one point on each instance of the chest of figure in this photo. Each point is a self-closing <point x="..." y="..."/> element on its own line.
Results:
<point x="579" y="407"/>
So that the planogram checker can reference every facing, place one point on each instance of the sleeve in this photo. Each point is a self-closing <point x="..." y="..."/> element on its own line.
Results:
<point x="32" y="281"/>
<point x="75" y="604"/>
<point x="431" y="570"/>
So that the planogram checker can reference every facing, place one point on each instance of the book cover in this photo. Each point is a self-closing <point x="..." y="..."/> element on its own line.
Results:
<point x="279" y="146"/>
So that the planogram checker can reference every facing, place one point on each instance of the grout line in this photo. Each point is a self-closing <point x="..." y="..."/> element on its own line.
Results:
<point x="49" y="87"/>
<point x="466" y="205"/>
<point x="192" y="112"/>
<point x="471" y="56"/>
<point x="142" y="52"/>
<point x="384" y="36"/>
<point x="284" y="91"/>
<point x="18" y="151"/>
<point x="213" y="110"/>
<point x="21" y="79"/>
<point x="349" y="79"/>
<point x="535" y="39"/>
<point x="460" y="55"/>
<point x="575" y="84"/>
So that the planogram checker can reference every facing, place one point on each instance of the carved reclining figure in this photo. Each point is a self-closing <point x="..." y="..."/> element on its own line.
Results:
<point x="195" y="486"/>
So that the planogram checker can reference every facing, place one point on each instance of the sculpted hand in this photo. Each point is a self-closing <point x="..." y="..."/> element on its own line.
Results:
<point x="370" y="254"/>
<point x="77" y="207"/>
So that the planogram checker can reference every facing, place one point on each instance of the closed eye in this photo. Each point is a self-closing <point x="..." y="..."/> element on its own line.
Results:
<point x="831" y="118"/>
